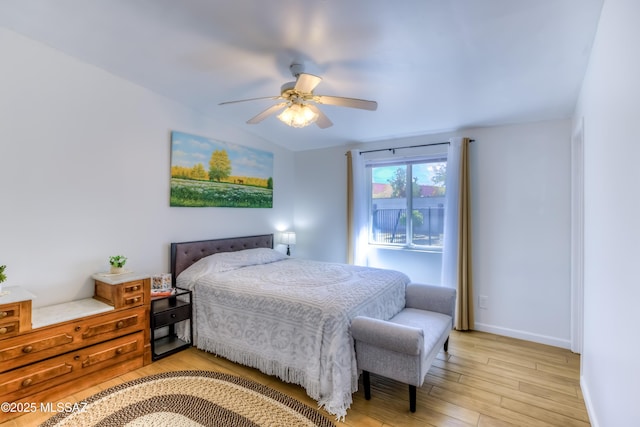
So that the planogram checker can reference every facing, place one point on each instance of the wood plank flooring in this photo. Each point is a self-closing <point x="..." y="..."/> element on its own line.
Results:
<point x="484" y="380"/>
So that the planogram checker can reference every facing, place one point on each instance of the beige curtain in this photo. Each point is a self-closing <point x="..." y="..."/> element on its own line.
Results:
<point x="464" y="309"/>
<point x="350" y="201"/>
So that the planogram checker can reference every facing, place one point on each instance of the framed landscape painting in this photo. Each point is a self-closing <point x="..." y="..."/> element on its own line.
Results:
<point x="210" y="173"/>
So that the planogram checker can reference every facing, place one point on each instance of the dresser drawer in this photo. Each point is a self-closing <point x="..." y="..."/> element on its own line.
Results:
<point x="9" y="311"/>
<point x="49" y="341"/>
<point x="14" y="318"/>
<point x="132" y="300"/>
<point x="9" y="328"/>
<point x="38" y="374"/>
<point x="123" y="295"/>
<point x="34" y="344"/>
<point x="132" y="293"/>
<point x="114" y="326"/>
<point x="37" y="377"/>
<point x="131" y="288"/>
<point x="171" y="316"/>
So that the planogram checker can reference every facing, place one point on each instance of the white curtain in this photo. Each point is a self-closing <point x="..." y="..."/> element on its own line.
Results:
<point x="357" y="205"/>
<point x="452" y="204"/>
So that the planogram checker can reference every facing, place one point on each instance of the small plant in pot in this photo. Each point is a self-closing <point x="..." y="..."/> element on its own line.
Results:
<point x="3" y="276"/>
<point x="117" y="263"/>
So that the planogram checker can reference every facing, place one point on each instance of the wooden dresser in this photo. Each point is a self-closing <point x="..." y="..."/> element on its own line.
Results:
<point x="68" y="349"/>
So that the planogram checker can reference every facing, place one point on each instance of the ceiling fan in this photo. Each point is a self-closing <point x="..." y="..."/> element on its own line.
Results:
<point x="298" y="102"/>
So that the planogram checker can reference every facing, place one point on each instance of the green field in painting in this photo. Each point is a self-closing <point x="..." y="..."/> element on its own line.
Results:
<point x="192" y="193"/>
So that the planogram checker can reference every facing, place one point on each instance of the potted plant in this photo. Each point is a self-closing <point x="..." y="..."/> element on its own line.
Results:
<point x="117" y="263"/>
<point x="3" y="276"/>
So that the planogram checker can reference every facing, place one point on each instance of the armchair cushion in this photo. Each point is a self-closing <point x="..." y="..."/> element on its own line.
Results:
<point x="433" y="326"/>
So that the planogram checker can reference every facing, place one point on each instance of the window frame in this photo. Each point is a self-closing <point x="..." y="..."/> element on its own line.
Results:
<point x="409" y="162"/>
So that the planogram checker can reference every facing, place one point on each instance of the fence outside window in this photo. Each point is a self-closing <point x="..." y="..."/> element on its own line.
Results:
<point x="389" y="226"/>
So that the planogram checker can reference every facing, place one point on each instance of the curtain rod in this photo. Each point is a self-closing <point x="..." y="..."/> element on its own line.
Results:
<point x="393" y="150"/>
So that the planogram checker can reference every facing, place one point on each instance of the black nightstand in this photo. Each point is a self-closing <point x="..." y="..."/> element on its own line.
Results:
<point x="167" y="312"/>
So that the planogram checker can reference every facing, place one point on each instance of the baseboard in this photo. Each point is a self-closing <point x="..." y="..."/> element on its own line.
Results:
<point x="587" y="402"/>
<point x="528" y="336"/>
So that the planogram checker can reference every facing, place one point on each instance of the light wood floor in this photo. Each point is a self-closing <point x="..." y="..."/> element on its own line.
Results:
<point x="484" y="380"/>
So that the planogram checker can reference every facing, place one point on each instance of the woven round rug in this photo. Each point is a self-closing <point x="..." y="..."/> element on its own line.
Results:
<point x="190" y="398"/>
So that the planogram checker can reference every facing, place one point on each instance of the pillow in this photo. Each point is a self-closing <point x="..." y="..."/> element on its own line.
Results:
<point x="227" y="261"/>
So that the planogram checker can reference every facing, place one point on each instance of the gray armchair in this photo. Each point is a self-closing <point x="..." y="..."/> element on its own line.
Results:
<point x="403" y="347"/>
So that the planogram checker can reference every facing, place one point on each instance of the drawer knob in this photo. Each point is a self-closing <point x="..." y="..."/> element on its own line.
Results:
<point x="3" y="331"/>
<point x="76" y="357"/>
<point x="173" y="315"/>
<point x="27" y="349"/>
<point x="135" y="288"/>
<point x="120" y="324"/>
<point x="119" y="350"/>
<point x="27" y="382"/>
<point x="77" y="328"/>
<point x="3" y="314"/>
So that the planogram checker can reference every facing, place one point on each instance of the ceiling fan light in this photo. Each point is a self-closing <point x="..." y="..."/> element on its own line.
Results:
<point x="298" y="116"/>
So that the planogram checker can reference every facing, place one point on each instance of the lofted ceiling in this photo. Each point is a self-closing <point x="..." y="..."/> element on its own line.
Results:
<point x="432" y="65"/>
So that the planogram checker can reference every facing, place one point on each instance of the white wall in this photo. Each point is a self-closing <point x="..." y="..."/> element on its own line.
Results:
<point x="521" y="218"/>
<point x="609" y="106"/>
<point x="521" y="230"/>
<point x="84" y="174"/>
<point x="320" y="204"/>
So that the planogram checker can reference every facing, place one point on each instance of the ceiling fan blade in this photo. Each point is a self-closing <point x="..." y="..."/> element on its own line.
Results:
<point x="266" y="113"/>
<point x="346" y="102"/>
<point x="306" y="83"/>
<point x="322" y="121"/>
<point x="251" y="99"/>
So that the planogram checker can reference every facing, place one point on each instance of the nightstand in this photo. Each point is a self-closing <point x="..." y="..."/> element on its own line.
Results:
<point x="167" y="314"/>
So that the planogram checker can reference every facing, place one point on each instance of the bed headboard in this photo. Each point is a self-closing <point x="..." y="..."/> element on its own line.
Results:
<point x="183" y="254"/>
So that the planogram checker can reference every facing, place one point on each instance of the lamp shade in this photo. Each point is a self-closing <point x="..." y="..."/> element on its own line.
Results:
<point x="288" y="238"/>
<point x="298" y="116"/>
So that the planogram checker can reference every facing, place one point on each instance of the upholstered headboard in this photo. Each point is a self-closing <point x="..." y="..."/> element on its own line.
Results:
<point x="183" y="254"/>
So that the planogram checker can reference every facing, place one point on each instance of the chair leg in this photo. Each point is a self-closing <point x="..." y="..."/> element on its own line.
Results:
<point x="412" y="398"/>
<point x="367" y="385"/>
<point x="446" y="345"/>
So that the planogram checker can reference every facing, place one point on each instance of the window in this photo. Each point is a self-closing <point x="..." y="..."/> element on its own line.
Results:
<point x="416" y="186"/>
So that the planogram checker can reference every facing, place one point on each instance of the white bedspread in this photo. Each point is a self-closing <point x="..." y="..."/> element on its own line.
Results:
<point x="289" y="317"/>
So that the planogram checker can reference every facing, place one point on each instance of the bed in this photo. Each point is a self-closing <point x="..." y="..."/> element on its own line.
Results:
<point x="287" y="317"/>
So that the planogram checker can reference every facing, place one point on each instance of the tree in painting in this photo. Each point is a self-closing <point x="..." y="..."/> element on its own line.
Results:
<point x="198" y="172"/>
<point x="219" y="165"/>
